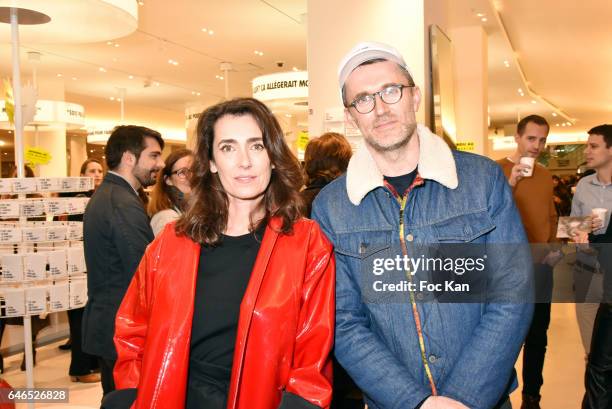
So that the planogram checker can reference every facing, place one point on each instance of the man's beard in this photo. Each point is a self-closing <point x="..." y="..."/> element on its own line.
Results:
<point x="407" y="133"/>
<point x="145" y="177"/>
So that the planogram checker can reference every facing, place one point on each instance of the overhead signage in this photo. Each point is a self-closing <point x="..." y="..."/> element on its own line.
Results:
<point x="53" y="112"/>
<point x="284" y="85"/>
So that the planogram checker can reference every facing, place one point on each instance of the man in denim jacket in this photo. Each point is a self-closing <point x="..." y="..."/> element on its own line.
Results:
<point x="404" y="187"/>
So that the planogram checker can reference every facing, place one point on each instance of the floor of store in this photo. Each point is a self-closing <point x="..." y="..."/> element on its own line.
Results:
<point x="563" y="369"/>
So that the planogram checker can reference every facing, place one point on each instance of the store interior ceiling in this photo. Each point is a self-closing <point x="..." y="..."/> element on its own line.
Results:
<point x="173" y="59"/>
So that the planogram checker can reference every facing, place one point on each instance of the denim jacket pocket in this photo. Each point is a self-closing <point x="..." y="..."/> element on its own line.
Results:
<point x="464" y="228"/>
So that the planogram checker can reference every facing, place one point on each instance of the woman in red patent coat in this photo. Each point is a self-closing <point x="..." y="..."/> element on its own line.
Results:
<point x="232" y="306"/>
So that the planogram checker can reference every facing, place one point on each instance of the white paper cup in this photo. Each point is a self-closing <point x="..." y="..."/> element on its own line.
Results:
<point x="600" y="213"/>
<point x="525" y="160"/>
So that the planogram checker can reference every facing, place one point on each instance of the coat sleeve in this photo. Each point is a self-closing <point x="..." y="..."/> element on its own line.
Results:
<point x="310" y="376"/>
<point x="131" y="328"/>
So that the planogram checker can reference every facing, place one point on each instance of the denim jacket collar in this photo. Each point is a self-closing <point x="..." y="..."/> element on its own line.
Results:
<point x="435" y="162"/>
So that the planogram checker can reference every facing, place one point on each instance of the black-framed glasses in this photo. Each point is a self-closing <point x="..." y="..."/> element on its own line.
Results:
<point x="391" y="94"/>
<point x="183" y="173"/>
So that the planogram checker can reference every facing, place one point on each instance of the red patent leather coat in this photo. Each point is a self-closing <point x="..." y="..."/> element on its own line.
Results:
<point x="285" y="329"/>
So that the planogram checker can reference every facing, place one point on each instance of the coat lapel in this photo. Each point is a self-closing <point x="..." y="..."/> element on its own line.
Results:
<point x="248" y="305"/>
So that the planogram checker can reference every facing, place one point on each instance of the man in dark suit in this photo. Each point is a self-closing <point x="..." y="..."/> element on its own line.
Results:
<point x="116" y="232"/>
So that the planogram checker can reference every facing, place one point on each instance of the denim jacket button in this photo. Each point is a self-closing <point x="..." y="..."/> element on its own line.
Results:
<point x="433" y="358"/>
<point x="409" y="237"/>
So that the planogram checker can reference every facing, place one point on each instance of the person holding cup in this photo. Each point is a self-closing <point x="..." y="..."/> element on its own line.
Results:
<point x="533" y="191"/>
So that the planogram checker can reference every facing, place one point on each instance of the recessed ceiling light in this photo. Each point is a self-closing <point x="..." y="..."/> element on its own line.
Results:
<point x="131" y="77"/>
<point x="205" y="30"/>
<point x="484" y="19"/>
<point x="2" y="143"/>
<point x="533" y="101"/>
<point x="156" y="84"/>
<point x="59" y="75"/>
<point x="554" y="114"/>
<point x="112" y="98"/>
<point x="102" y="69"/>
<point x="295" y="69"/>
<point x="259" y="53"/>
<point x="118" y="99"/>
<point x="563" y="124"/>
<point x="288" y="115"/>
<point x="210" y="32"/>
<point x="141" y="3"/>
<point x="5" y="153"/>
<point x="109" y="43"/>
<point x="74" y="78"/>
<point x="173" y="62"/>
<point x="116" y="45"/>
<point x="556" y="124"/>
<point x="480" y="14"/>
<point x="91" y="150"/>
<point x="507" y="63"/>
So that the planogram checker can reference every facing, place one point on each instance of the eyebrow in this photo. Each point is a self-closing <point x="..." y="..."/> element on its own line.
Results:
<point x="229" y="140"/>
<point x="361" y="94"/>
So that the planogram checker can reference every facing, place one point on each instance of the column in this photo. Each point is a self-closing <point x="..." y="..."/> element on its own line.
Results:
<point x="333" y="29"/>
<point x="471" y="85"/>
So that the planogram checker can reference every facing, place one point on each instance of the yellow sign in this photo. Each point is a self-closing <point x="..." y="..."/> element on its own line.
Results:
<point x="37" y="156"/>
<point x="302" y="140"/>
<point x="467" y="146"/>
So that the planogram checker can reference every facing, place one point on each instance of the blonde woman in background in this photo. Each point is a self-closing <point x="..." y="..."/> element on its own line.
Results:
<point x="171" y="190"/>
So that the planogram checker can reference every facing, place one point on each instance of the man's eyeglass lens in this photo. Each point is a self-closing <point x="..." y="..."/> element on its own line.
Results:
<point x="389" y="95"/>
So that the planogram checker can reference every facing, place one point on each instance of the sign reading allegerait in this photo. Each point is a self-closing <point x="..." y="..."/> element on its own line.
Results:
<point x="284" y="85"/>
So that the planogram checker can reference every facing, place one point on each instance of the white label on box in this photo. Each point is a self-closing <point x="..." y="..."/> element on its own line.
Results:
<point x="76" y="205"/>
<point x="55" y="207"/>
<point x="56" y="233"/>
<point x="14" y="300"/>
<point x="12" y="267"/>
<point x="76" y="260"/>
<point x="48" y="184"/>
<point x="59" y="297"/>
<point x="34" y="234"/>
<point x="85" y="183"/>
<point x="35" y="266"/>
<point x="75" y="231"/>
<point x="10" y="235"/>
<point x="70" y="183"/>
<point x="24" y="185"/>
<point x="57" y="263"/>
<point x="32" y="208"/>
<point x="36" y="299"/>
<point x="9" y="208"/>
<point x="6" y="185"/>
<point x="78" y="293"/>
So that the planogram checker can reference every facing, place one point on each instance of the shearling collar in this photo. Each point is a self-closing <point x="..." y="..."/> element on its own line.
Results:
<point x="435" y="162"/>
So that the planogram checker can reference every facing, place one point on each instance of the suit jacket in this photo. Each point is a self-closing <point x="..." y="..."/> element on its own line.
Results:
<point x="116" y="232"/>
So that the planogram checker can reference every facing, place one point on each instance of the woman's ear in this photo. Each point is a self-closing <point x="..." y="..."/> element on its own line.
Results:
<point x="168" y="180"/>
<point x="213" y="167"/>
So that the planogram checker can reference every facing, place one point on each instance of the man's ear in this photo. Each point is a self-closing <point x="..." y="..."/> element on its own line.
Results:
<point x="128" y="159"/>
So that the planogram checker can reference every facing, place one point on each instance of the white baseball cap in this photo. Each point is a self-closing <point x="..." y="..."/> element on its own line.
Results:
<point x="368" y="51"/>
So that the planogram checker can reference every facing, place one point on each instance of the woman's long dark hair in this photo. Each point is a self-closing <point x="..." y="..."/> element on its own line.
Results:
<point x="206" y="216"/>
<point x="165" y="196"/>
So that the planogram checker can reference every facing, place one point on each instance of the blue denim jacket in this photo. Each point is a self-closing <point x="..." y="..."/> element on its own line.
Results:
<point x="470" y="348"/>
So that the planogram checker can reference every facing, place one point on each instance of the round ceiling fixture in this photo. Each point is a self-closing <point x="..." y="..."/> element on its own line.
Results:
<point x="57" y="21"/>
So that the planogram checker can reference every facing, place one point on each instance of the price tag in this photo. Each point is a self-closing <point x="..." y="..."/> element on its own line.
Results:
<point x="75" y="231"/>
<point x="57" y="264"/>
<point x="56" y="233"/>
<point x="70" y="184"/>
<point x="78" y="293"/>
<point x="55" y="207"/>
<point x="36" y="299"/>
<point x="76" y="205"/>
<point x="35" y="266"/>
<point x="59" y="297"/>
<point x="24" y="185"/>
<point x="10" y="235"/>
<point x="76" y="260"/>
<point x="14" y="300"/>
<point x="9" y="209"/>
<point x="32" y="234"/>
<point x="6" y="185"/>
<point x="85" y="184"/>
<point x="48" y="184"/>
<point x="32" y="208"/>
<point x="12" y="267"/>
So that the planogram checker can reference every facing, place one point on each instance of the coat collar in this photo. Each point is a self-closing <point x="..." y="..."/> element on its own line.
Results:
<point x="436" y="162"/>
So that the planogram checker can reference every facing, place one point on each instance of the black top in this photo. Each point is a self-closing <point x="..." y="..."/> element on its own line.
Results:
<point x="116" y="232"/>
<point x="401" y="183"/>
<point x="224" y="271"/>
